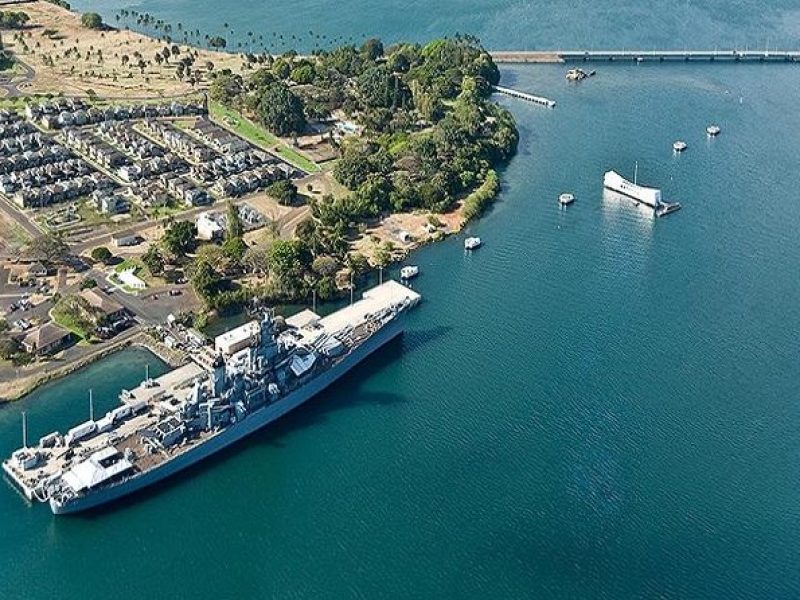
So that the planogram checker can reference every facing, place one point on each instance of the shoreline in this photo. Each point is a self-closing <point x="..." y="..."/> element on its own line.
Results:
<point x="418" y="226"/>
<point x="138" y="338"/>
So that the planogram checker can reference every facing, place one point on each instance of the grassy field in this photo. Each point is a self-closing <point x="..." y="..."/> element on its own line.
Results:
<point x="68" y="313"/>
<point x="259" y="136"/>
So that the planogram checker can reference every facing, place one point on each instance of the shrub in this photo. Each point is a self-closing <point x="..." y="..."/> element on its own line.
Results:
<point x="91" y="20"/>
<point x="479" y="200"/>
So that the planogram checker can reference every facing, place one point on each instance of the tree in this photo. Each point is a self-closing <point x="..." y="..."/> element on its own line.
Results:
<point x="303" y="74"/>
<point x="280" y="110"/>
<point x="205" y="280"/>
<point x="376" y="87"/>
<point x="234" y="249"/>
<point x="233" y="223"/>
<point x="102" y="254"/>
<point x="281" y="68"/>
<point x="217" y="42"/>
<point x="283" y="190"/>
<point x="50" y="248"/>
<point x="372" y="48"/>
<point x="91" y="20"/>
<point x="383" y="254"/>
<point x="8" y="348"/>
<point x="256" y="259"/>
<point x="325" y="266"/>
<point x="88" y="283"/>
<point x="179" y="238"/>
<point x="153" y="260"/>
<point x="13" y="19"/>
<point x="226" y="88"/>
<point x="287" y="261"/>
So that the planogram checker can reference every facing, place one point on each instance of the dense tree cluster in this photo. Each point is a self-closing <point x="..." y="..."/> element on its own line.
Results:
<point x="91" y="20"/>
<point x="430" y="138"/>
<point x="13" y="19"/>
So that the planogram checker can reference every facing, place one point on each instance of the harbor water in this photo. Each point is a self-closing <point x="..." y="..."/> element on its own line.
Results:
<point x="595" y="404"/>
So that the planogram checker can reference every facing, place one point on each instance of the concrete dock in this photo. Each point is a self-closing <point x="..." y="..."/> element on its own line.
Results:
<point x="560" y="56"/>
<point x="540" y="100"/>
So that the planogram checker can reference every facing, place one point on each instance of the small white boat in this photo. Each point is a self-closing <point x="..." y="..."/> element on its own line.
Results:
<point x="713" y="130"/>
<point x="565" y="199"/>
<point x="471" y="243"/>
<point x="679" y="146"/>
<point x="409" y="272"/>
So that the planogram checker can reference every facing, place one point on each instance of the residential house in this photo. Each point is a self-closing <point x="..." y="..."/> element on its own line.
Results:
<point x="108" y="309"/>
<point x="46" y="339"/>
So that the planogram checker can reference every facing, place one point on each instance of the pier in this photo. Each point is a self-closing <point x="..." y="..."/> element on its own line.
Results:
<point x="540" y="100"/>
<point x="550" y="56"/>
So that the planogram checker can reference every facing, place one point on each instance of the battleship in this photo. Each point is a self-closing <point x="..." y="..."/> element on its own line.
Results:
<point x="251" y="376"/>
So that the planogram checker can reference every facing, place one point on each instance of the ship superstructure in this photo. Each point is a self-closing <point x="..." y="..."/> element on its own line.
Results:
<point x="253" y="375"/>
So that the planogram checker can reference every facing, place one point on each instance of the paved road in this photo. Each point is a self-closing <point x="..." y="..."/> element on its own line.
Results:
<point x="20" y="218"/>
<point x="11" y="87"/>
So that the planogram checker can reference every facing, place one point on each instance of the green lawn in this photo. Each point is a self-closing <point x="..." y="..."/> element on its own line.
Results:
<point x="89" y="214"/>
<point x="259" y="136"/>
<point x="156" y="212"/>
<point x="127" y="264"/>
<point x="67" y="313"/>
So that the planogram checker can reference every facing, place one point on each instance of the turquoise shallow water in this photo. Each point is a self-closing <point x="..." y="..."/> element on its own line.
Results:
<point x="594" y="405"/>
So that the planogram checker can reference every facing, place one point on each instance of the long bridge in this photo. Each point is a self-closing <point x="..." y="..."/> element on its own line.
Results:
<point x="560" y="56"/>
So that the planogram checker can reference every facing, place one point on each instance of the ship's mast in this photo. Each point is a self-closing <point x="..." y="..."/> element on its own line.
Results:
<point x="24" y="429"/>
<point x="91" y="405"/>
<point x="636" y="173"/>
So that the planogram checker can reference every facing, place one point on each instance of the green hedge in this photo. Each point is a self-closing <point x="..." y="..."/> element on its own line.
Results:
<point x="479" y="200"/>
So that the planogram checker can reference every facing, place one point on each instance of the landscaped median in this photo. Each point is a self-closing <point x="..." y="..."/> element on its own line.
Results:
<point x="259" y="136"/>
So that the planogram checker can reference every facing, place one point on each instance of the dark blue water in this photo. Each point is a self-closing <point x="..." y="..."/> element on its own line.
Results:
<point x="501" y="24"/>
<point x="596" y="404"/>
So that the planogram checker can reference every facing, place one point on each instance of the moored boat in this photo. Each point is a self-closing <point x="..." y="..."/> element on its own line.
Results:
<point x="409" y="272"/>
<point x="713" y="130"/>
<point x="566" y="199"/>
<point x="679" y="146"/>
<point x="471" y="243"/>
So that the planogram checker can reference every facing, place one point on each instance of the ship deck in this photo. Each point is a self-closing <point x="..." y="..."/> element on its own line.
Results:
<point x="156" y="398"/>
<point x="58" y="459"/>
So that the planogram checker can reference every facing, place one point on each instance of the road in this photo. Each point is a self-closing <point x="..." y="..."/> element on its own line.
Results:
<point x="11" y="86"/>
<point x="20" y="218"/>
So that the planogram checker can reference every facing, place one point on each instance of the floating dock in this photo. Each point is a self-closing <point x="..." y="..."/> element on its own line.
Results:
<point x="540" y="100"/>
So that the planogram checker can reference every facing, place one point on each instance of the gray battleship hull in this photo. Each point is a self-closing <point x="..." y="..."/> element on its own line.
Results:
<point x="236" y="432"/>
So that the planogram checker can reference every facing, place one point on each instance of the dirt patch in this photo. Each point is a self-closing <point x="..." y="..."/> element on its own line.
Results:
<point x="70" y="59"/>
<point x="407" y="231"/>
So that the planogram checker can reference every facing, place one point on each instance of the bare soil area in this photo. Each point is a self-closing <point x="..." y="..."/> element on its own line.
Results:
<point x="71" y="59"/>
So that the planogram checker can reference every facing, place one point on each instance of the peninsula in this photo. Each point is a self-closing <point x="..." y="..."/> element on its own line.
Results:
<point x="237" y="177"/>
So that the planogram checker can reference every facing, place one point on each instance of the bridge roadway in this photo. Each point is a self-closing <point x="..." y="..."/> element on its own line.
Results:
<point x="560" y="56"/>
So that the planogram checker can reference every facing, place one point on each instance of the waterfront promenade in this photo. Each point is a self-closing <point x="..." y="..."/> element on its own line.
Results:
<point x="560" y="56"/>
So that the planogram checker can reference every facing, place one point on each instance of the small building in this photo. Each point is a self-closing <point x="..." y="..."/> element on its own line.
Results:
<point x="129" y="278"/>
<point x="110" y="310"/>
<point x="124" y="239"/>
<point x="236" y="339"/>
<point x="26" y="271"/>
<point x="208" y="227"/>
<point x="110" y="204"/>
<point x="46" y="339"/>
